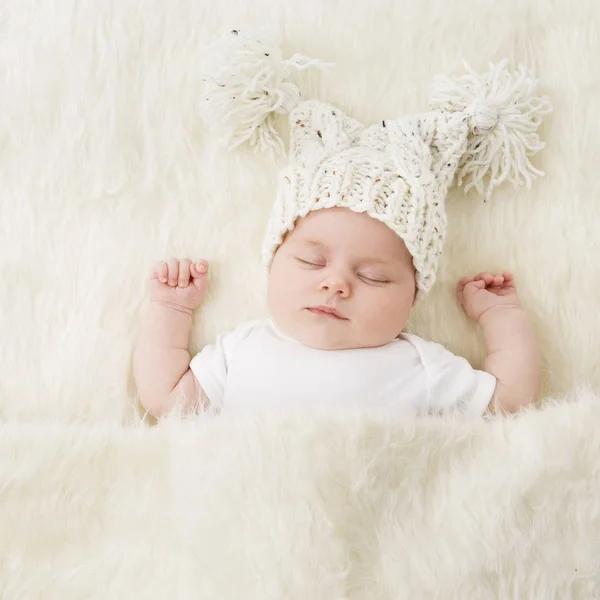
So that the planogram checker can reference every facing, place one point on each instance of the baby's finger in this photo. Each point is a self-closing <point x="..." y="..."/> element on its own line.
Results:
<point x="474" y="286"/>
<point x="487" y="277"/>
<point x="184" y="272"/>
<point x="160" y="271"/>
<point x="173" y="265"/>
<point x="460" y="285"/>
<point x="498" y="280"/>
<point x="199" y="268"/>
<point x="508" y="276"/>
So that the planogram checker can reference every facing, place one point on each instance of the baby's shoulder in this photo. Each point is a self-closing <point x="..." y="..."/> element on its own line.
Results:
<point x="430" y="352"/>
<point x="245" y="329"/>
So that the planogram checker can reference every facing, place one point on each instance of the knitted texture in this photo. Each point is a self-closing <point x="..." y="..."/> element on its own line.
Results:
<point x="481" y="128"/>
<point x="397" y="171"/>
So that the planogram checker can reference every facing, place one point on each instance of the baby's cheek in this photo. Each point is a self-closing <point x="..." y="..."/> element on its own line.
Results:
<point x="392" y="308"/>
<point x="291" y="293"/>
<point x="302" y="283"/>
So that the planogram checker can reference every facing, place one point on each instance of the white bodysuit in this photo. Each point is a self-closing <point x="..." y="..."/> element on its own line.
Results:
<point x="258" y="367"/>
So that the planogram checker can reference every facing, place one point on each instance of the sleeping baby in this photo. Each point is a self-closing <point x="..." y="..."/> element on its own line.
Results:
<point x="353" y="243"/>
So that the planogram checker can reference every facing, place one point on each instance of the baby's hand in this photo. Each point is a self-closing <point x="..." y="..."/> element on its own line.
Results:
<point x="485" y="292"/>
<point x="179" y="282"/>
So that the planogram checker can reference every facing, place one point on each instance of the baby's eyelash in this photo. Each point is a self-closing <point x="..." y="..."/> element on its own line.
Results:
<point x="374" y="280"/>
<point x="306" y="262"/>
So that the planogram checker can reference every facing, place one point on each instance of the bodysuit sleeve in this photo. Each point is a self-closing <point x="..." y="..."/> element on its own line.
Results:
<point x="210" y="365"/>
<point x="453" y="384"/>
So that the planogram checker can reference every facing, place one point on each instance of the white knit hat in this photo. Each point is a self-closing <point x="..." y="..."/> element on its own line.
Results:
<point x="480" y="129"/>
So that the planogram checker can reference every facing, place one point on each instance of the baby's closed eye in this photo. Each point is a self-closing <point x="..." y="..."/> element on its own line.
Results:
<point x="311" y="261"/>
<point x="374" y="278"/>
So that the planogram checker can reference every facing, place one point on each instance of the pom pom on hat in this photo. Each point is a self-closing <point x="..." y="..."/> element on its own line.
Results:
<point x="247" y="86"/>
<point x="503" y="114"/>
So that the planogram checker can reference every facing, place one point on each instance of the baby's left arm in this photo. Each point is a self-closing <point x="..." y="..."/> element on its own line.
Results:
<point x="513" y="355"/>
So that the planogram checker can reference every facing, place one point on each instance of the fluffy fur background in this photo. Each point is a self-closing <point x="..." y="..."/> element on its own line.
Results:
<point x="105" y="168"/>
<point x="343" y="509"/>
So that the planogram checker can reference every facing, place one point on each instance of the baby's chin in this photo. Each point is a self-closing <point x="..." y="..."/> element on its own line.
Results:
<point x="323" y="342"/>
<point x="335" y="335"/>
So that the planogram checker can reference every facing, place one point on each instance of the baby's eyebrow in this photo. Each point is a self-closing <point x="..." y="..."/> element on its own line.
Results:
<point x="375" y="261"/>
<point x="312" y="243"/>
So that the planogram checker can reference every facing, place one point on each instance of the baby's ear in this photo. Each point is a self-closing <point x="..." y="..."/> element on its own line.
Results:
<point x="319" y="130"/>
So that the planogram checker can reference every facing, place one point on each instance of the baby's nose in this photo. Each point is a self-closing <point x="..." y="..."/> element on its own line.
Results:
<point x="336" y="285"/>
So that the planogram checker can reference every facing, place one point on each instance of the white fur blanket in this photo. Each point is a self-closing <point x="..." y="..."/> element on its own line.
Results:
<point x="329" y="509"/>
<point x="106" y="167"/>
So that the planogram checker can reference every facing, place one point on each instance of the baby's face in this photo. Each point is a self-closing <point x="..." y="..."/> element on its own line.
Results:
<point x="349" y="262"/>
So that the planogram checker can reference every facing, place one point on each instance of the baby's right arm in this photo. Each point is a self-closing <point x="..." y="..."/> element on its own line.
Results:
<point x="161" y="361"/>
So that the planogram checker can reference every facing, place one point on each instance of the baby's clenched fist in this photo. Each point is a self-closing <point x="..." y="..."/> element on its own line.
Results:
<point x="179" y="282"/>
<point x="486" y="291"/>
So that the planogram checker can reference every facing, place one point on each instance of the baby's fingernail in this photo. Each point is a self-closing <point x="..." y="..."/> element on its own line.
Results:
<point x="200" y="268"/>
<point x="163" y="280"/>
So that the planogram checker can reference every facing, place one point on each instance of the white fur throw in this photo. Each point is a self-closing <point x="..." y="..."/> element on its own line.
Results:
<point x="328" y="509"/>
<point x="106" y="167"/>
